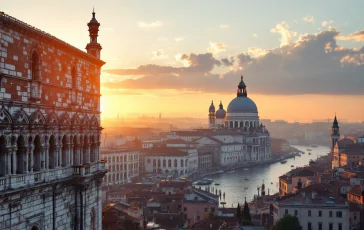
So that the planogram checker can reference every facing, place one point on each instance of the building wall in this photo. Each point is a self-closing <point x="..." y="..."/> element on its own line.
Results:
<point x="155" y="164"/>
<point x="122" y="166"/>
<point x="198" y="211"/>
<point x="50" y="171"/>
<point x="314" y="219"/>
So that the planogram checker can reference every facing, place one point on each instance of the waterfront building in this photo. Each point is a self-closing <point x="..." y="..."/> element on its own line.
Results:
<point x="50" y="170"/>
<point x="346" y="152"/>
<point x="204" y="160"/>
<point x="316" y="207"/>
<point x="122" y="165"/>
<point x="294" y="180"/>
<point x="171" y="160"/>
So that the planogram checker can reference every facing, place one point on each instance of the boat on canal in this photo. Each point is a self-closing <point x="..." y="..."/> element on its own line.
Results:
<point x="231" y="171"/>
<point x="284" y="161"/>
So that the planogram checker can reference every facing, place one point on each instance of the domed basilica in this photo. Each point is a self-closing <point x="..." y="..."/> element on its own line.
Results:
<point x="242" y="113"/>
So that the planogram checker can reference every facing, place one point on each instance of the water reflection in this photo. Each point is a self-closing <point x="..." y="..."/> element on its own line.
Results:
<point x="245" y="182"/>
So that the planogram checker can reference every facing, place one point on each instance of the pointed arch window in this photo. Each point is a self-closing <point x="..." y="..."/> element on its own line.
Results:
<point x="35" y="76"/>
<point x="74" y="86"/>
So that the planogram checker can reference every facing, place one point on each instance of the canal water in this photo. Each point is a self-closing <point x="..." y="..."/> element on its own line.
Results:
<point x="236" y="187"/>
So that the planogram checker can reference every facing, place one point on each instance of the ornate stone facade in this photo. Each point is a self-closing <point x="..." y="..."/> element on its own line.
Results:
<point x="50" y="170"/>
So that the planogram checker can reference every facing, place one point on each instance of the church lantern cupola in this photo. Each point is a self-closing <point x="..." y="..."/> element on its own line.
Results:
<point x="93" y="47"/>
<point x="242" y="89"/>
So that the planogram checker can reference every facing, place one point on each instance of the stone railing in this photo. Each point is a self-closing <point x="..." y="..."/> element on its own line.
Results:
<point x="84" y="170"/>
<point x="26" y="180"/>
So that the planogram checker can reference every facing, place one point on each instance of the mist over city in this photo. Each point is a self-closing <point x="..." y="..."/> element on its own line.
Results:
<point x="181" y="115"/>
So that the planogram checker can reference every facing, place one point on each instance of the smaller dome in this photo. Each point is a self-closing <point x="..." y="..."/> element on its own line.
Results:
<point x="212" y="107"/>
<point x="220" y="114"/>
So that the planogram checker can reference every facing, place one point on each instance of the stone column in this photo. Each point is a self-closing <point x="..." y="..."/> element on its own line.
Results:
<point x="71" y="154"/>
<point x="8" y="161"/>
<point x="26" y="162"/>
<point x="31" y="158"/>
<point x="87" y="154"/>
<point x="59" y="155"/>
<point x="14" y="159"/>
<point x="80" y="154"/>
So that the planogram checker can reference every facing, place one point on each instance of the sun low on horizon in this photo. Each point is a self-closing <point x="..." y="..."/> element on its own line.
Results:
<point x="302" y="64"/>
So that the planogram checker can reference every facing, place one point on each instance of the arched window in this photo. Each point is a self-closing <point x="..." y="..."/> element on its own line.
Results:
<point x="52" y="152"/>
<point x="169" y="163"/>
<point x="75" y="151"/>
<point x="34" y="228"/>
<point x="164" y="163"/>
<point x="236" y="124"/>
<point x="35" y="66"/>
<point x="154" y="163"/>
<point x="3" y="156"/>
<point x="175" y="163"/>
<point x="181" y="162"/>
<point x="35" y="76"/>
<point x="159" y="163"/>
<point x="38" y="163"/>
<point x="74" y="86"/>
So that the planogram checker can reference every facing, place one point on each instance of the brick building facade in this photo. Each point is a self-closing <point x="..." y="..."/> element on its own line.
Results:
<point x="50" y="170"/>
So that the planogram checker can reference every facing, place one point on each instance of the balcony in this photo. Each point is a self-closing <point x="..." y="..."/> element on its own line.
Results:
<point x="19" y="181"/>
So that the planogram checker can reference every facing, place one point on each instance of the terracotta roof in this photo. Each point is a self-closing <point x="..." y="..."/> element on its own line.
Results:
<point x="216" y="222"/>
<point x="163" y="151"/>
<point x="175" y="141"/>
<point x="354" y="149"/>
<point x="168" y="220"/>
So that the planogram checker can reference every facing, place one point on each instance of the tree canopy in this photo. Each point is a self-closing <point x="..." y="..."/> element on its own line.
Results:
<point x="287" y="222"/>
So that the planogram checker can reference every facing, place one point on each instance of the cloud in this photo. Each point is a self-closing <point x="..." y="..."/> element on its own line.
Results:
<point x="312" y="64"/>
<point x="283" y="30"/>
<point x="224" y="26"/>
<point x="159" y="54"/>
<point x="217" y="47"/>
<point x="327" y="23"/>
<point x="257" y="52"/>
<point x="308" y="19"/>
<point x="178" y="39"/>
<point x="227" y="62"/>
<point x="357" y="36"/>
<point x="151" y="25"/>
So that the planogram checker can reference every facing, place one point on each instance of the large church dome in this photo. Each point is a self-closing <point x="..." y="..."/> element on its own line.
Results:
<point x="242" y="105"/>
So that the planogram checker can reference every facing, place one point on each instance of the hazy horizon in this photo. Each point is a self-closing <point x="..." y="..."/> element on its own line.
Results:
<point x="301" y="64"/>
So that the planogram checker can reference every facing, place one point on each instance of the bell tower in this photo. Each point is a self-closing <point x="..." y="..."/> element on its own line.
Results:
<point x="335" y="132"/>
<point x="212" y="117"/>
<point x="93" y="47"/>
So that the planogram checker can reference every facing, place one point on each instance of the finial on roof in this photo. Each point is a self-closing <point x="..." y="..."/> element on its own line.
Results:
<point x="212" y="102"/>
<point x="93" y="12"/>
<point x="242" y="77"/>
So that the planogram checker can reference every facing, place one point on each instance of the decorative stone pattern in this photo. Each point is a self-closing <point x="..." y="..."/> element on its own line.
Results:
<point x="50" y="170"/>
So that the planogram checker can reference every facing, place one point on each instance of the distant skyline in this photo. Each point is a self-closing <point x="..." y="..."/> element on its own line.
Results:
<point x="301" y="61"/>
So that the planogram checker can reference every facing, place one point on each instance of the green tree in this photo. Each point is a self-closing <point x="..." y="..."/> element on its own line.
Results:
<point x="287" y="222"/>
<point x="238" y="212"/>
<point x="247" y="220"/>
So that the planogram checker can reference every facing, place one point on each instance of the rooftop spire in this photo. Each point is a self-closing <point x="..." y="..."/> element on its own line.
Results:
<point x="93" y="12"/>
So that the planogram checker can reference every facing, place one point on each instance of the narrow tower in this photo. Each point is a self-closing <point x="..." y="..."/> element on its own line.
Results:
<point x="335" y="133"/>
<point x="212" y="116"/>
<point x="93" y="47"/>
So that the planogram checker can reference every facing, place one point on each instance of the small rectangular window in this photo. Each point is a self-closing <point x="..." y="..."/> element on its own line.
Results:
<point x="295" y="212"/>
<point x="339" y="214"/>
<point x="320" y="213"/>
<point x="330" y="213"/>
<point x="309" y="226"/>
<point x="309" y="212"/>
<point x="331" y="227"/>
<point x="319" y="226"/>
<point x="340" y="226"/>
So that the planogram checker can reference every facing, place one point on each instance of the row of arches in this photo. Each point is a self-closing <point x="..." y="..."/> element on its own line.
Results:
<point x="175" y="172"/>
<point x="24" y="154"/>
<point x="51" y="119"/>
<point x="164" y="165"/>
<point x="242" y="124"/>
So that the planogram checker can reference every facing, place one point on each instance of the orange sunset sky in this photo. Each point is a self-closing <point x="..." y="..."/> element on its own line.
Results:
<point x="300" y="60"/>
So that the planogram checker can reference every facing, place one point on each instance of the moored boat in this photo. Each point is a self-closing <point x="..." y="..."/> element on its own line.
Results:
<point x="283" y="161"/>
